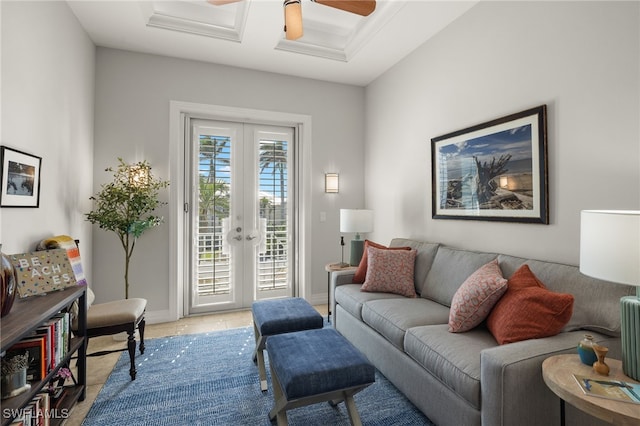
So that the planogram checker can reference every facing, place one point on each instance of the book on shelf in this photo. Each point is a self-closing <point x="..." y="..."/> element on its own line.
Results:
<point x="45" y="347"/>
<point x="617" y="390"/>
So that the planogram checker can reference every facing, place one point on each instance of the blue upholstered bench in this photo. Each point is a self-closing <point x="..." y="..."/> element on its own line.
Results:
<point x="271" y="317"/>
<point x="313" y="366"/>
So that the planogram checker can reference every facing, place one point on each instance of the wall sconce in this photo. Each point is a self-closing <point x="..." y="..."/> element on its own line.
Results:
<point x="292" y="19"/>
<point x="331" y="183"/>
<point x="138" y="175"/>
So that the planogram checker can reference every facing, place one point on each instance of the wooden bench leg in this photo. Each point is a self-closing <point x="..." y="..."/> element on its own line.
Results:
<point x="258" y="358"/>
<point x="131" y="346"/>
<point x="278" y="412"/>
<point x="354" y="416"/>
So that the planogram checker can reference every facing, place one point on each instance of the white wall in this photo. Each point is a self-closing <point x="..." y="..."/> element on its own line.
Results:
<point x="47" y="110"/>
<point x="580" y="58"/>
<point x="133" y="92"/>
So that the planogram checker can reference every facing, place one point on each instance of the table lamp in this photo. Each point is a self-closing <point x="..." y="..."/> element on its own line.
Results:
<point x="610" y="251"/>
<point x="356" y="221"/>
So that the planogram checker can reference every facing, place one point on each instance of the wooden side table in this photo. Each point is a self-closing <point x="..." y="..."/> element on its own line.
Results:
<point x="558" y="371"/>
<point x="333" y="267"/>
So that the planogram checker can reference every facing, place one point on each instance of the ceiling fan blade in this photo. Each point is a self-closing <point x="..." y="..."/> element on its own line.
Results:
<point x="359" y="7"/>
<point x="221" y="2"/>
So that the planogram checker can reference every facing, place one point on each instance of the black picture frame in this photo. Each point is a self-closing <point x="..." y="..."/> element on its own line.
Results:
<point x="494" y="171"/>
<point x="20" y="174"/>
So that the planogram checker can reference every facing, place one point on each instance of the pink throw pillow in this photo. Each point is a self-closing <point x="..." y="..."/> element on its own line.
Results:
<point x="361" y="272"/>
<point x="390" y="271"/>
<point x="475" y="298"/>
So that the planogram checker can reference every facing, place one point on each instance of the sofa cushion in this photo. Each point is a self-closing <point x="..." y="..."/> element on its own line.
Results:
<point x="453" y="358"/>
<point x="392" y="317"/>
<point x="528" y="310"/>
<point x="361" y="272"/>
<point x="476" y="297"/>
<point x="426" y="252"/>
<point x="390" y="271"/>
<point x="451" y="267"/>
<point x="351" y="299"/>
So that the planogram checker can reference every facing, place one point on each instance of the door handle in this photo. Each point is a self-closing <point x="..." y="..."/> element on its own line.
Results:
<point x="251" y="237"/>
<point x="238" y="238"/>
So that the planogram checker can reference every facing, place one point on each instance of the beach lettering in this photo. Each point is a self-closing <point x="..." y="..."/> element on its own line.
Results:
<point x="38" y="270"/>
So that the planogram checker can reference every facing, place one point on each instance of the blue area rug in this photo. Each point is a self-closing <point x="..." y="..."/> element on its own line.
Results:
<point x="210" y="379"/>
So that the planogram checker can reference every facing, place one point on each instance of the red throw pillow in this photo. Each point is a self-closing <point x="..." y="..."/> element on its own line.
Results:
<point x="528" y="310"/>
<point x="361" y="272"/>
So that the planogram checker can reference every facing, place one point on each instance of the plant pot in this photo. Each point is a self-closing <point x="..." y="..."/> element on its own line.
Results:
<point x="14" y="384"/>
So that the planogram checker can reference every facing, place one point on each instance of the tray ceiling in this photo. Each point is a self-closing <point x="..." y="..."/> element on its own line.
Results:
<point x="336" y="46"/>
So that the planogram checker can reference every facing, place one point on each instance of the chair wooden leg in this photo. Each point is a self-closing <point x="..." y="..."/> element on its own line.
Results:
<point x="141" y="332"/>
<point x="131" y="345"/>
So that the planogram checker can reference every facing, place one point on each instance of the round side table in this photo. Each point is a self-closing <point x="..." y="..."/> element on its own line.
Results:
<point x="558" y="371"/>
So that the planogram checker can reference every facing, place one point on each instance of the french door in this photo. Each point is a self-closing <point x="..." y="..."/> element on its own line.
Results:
<point x="240" y="215"/>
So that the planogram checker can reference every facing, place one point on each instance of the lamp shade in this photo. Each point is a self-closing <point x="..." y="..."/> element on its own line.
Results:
<point x="610" y="251"/>
<point x="610" y="245"/>
<point x="356" y="220"/>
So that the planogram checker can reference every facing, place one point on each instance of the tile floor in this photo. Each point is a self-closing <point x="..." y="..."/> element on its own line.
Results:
<point x="99" y="368"/>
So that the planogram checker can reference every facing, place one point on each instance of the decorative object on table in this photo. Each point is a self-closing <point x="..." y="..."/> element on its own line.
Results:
<point x="125" y="204"/>
<point x="73" y="253"/>
<point x="8" y="284"/>
<point x="56" y="384"/>
<point x="331" y="183"/>
<point x="20" y="178"/>
<point x="342" y="263"/>
<point x="358" y="221"/>
<point x="585" y="350"/>
<point x="600" y="366"/>
<point x="14" y="375"/>
<point x="609" y="250"/>
<point x="493" y="171"/>
<point x="41" y="272"/>
<point x="616" y="390"/>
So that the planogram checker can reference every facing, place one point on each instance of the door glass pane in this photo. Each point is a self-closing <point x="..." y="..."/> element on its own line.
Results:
<point x="273" y="182"/>
<point x="214" y="190"/>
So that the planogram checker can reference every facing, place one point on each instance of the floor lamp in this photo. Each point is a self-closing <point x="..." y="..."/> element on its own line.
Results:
<point x="610" y="251"/>
<point x="358" y="221"/>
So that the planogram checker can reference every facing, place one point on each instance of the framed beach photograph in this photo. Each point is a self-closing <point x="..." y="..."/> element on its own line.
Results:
<point x="20" y="186"/>
<point x="495" y="171"/>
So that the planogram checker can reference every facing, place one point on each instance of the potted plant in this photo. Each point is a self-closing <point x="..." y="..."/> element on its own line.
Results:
<point x="125" y="206"/>
<point x="14" y="375"/>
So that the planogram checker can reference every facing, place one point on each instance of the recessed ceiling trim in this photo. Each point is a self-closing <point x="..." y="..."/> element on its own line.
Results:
<point x="165" y="21"/>
<point x="352" y="42"/>
<point x="371" y="25"/>
<point x="297" y="46"/>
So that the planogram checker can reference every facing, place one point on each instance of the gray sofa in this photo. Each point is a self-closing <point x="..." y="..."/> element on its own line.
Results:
<point x="468" y="378"/>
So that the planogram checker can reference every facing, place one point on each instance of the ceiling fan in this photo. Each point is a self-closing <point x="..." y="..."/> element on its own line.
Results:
<point x="293" y="12"/>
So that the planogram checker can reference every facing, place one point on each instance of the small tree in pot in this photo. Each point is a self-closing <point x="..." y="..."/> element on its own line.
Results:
<point x="124" y="206"/>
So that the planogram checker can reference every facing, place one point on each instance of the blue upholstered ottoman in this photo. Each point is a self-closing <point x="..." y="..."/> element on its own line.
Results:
<point x="271" y="317"/>
<point x="313" y="366"/>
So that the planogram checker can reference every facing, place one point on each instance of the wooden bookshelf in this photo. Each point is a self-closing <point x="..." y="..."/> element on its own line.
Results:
<point x="27" y="315"/>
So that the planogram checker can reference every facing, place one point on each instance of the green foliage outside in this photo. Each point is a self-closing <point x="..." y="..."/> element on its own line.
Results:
<point x="125" y="206"/>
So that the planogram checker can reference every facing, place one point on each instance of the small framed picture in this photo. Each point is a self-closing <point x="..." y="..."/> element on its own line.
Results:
<point x="494" y="171"/>
<point x="20" y="178"/>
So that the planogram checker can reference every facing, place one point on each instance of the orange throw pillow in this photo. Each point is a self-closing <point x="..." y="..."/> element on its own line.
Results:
<point x="361" y="272"/>
<point x="528" y="310"/>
